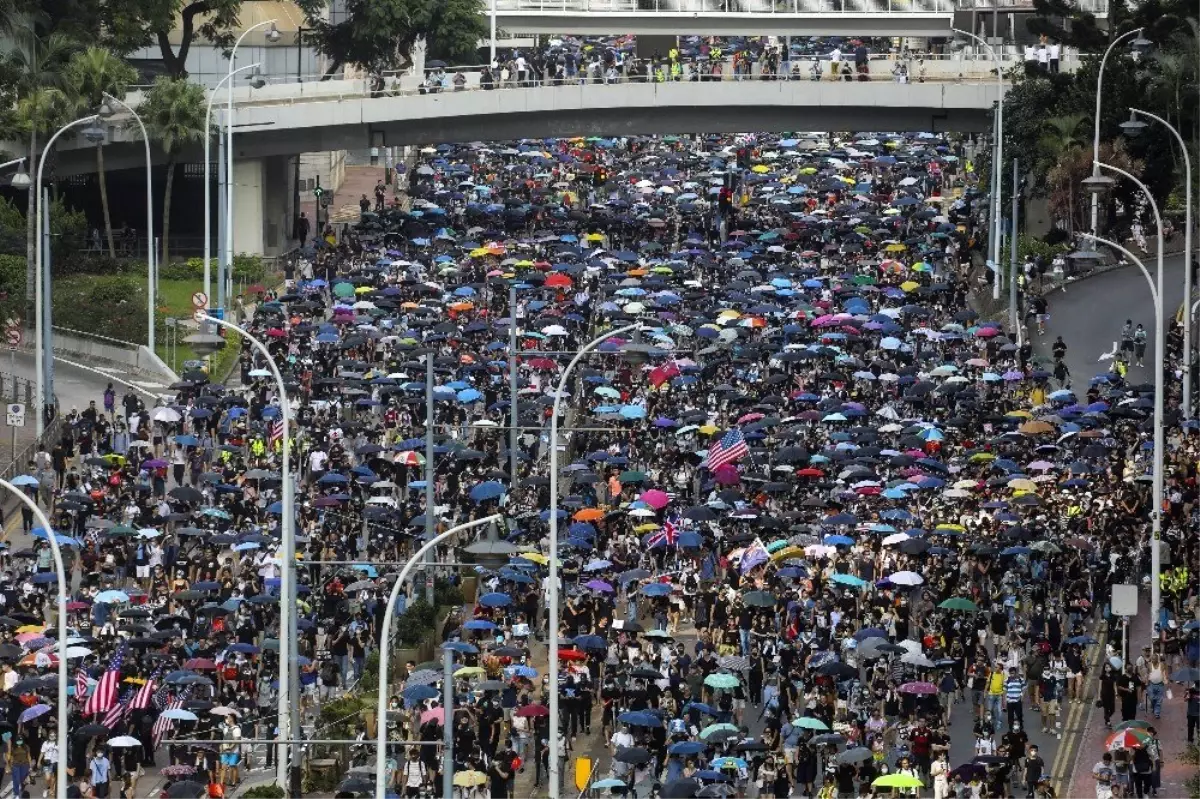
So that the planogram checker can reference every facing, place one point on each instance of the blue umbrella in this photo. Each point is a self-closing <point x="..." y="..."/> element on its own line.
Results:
<point x="480" y="624"/>
<point x="656" y="589"/>
<point x="640" y="719"/>
<point x="485" y="491"/>
<point x="686" y="748"/>
<point x="495" y="600"/>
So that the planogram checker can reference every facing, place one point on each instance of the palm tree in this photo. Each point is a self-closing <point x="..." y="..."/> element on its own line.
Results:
<point x="35" y="67"/>
<point x="174" y="115"/>
<point x="95" y="72"/>
<point x="1063" y="138"/>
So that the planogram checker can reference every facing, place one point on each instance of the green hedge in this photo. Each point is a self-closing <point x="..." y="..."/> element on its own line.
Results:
<point x="68" y="229"/>
<point x="246" y="268"/>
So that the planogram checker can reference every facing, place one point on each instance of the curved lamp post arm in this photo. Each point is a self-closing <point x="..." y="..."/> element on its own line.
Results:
<point x="1137" y="262"/>
<point x="207" y="180"/>
<point x="40" y="288"/>
<point x="552" y="586"/>
<point x="1160" y="345"/>
<point x="150" y="251"/>
<point x="1187" y="258"/>
<point x="1099" y="86"/>
<point x="287" y="583"/>
<point x="60" y="789"/>
<point x="385" y="647"/>
<point x="13" y="162"/>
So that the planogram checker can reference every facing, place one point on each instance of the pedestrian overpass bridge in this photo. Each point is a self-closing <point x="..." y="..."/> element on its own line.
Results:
<point x="748" y="17"/>
<point x="274" y="125"/>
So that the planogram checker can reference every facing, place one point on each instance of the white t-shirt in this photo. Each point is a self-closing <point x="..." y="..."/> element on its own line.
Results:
<point x="1043" y="55"/>
<point x="316" y="460"/>
<point x="1030" y="53"/>
<point x="1054" y="52"/>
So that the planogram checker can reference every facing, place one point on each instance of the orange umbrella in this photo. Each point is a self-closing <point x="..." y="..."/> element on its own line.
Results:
<point x="588" y="515"/>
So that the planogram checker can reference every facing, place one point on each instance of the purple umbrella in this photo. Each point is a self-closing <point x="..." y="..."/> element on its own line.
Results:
<point x="33" y="712"/>
<point x="598" y="585"/>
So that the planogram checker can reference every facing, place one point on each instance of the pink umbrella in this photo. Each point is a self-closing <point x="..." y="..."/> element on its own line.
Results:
<point x="655" y="498"/>
<point x="438" y="714"/>
<point x="727" y="475"/>
<point x="926" y="688"/>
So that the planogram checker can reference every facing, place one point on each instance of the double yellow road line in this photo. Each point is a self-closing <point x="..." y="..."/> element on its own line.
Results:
<point x="1075" y="722"/>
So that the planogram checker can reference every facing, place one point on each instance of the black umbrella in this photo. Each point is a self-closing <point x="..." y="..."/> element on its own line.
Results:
<point x="188" y="789"/>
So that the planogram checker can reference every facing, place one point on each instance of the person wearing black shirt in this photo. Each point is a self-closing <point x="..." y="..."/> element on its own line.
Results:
<point x="1035" y="767"/>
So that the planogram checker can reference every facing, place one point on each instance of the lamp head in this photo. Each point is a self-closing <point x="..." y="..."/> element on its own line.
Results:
<point x="273" y="34"/>
<point x="21" y="179"/>
<point x="1134" y="126"/>
<point x="94" y="133"/>
<point x="1098" y="184"/>
<point x="257" y="81"/>
<point x="1141" y="44"/>
<point x="105" y="110"/>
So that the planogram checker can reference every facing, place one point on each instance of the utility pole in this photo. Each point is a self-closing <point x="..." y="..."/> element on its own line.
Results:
<point x="1014" y="320"/>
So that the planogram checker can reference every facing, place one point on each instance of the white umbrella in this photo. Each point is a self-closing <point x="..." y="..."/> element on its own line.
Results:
<point x="916" y="659"/>
<point x="165" y="414"/>
<point x="906" y="578"/>
<point x="221" y="710"/>
<point x="179" y="714"/>
<point x="122" y="741"/>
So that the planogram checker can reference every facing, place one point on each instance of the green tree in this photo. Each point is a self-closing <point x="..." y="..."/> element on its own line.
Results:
<point x="378" y="35"/>
<point x="174" y="115"/>
<point x="36" y="68"/>
<point x="93" y="73"/>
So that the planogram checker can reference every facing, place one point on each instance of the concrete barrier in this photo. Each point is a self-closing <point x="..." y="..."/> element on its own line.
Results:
<point x="133" y="360"/>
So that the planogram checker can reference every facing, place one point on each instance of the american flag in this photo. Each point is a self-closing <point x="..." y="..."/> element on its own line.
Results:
<point x="142" y="700"/>
<point x="163" y="725"/>
<point x="81" y="686"/>
<point x="667" y="536"/>
<point x="105" y="695"/>
<point x="276" y="433"/>
<point x="161" y="696"/>
<point x="117" y="712"/>
<point x="731" y="447"/>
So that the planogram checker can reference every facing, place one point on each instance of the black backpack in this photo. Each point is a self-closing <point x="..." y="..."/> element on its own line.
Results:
<point x="1142" y="763"/>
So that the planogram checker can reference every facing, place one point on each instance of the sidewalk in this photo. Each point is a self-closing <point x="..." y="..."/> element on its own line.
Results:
<point x="343" y="207"/>
<point x="1171" y="732"/>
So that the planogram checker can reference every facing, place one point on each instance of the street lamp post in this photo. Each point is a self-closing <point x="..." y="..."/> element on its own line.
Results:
<point x="106" y="110"/>
<point x="1133" y="127"/>
<point x="207" y="181"/>
<point x="272" y="35"/>
<point x="552" y="581"/>
<point x="14" y="162"/>
<point x="60" y="788"/>
<point x="288" y="708"/>
<point x="385" y="630"/>
<point x="41" y="282"/>
<point x="1096" y="176"/>
<point x="997" y="158"/>
<point x="1159" y="389"/>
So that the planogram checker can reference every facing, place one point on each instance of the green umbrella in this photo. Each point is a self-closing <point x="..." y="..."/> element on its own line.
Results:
<point x="721" y="680"/>
<point x="1132" y="724"/>
<point x="810" y="723"/>
<point x="958" y="603"/>
<point x="720" y="731"/>
<point x="632" y="476"/>
<point x="759" y="599"/>
<point x="343" y="289"/>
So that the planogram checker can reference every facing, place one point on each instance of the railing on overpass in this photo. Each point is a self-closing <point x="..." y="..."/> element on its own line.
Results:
<point x="759" y="7"/>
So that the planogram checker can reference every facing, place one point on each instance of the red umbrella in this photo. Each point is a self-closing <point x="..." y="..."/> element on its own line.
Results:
<point x="558" y="280"/>
<point x="571" y="654"/>
<point x="198" y="664"/>
<point x="532" y="711"/>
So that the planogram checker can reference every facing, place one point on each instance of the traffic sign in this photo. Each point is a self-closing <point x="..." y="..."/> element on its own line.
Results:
<point x="16" y="414"/>
<point x="13" y="336"/>
<point x="200" y="314"/>
<point x="199" y="300"/>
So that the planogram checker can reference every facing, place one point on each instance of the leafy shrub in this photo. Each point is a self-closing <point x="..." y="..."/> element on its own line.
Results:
<point x="68" y="229"/>
<point x="415" y="624"/>
<point x="246" y="268"/>
<point x="266" y="791"/>
<point x="110" y="305"/>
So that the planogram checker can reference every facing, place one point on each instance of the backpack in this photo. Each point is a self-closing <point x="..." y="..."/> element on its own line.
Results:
<point x="1142" y="763"/>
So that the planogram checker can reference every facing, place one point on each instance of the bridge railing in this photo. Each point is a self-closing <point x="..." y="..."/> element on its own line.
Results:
<point x="760" y="7"/>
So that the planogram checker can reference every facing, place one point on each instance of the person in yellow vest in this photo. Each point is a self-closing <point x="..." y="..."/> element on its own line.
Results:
<point x="258" y="448"/>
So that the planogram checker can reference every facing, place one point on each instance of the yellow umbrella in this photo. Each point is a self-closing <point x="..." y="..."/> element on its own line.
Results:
<point x="536" y="557"/>
<point x="897" y="781"/>
<point x="760" y="168"/>
<point x="480" y="252"/>
<point x="949" y="528"/>
<point x="1020" y="414"/>
<point x="469" y="671"/>
<point x="31" y="628"/>
<point x="707" y="429"/>
<point x="909" y="285"/>
<point x="645" y="528"/>
<point x="786" y="553"/>
<point x="1022" y="484"/>
<point x="364" y="289"/>
<point x="982" y="457"/>
<point x="469" y="779"/>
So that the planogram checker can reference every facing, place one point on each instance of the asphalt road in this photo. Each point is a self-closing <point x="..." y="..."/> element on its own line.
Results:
<point x="1090" y="314"/>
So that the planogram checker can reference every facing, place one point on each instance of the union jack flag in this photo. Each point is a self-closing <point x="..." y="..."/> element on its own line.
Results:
<point x="667" y="536"/>
<point x="730" y="448"/>
<point x="81" y="686"/>
<point x="142" y="700"/>
<point x="117" y="712"/>
<point x="105" y="695"/>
